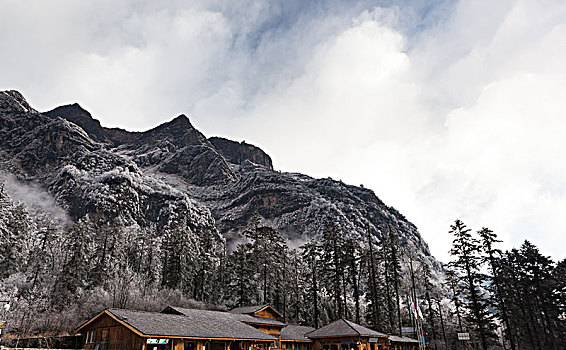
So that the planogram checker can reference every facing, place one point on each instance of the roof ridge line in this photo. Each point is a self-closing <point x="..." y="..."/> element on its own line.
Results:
<point x="349" y="325"/>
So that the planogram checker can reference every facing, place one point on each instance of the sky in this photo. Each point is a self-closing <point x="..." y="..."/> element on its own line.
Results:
<point x="446" y="109"/>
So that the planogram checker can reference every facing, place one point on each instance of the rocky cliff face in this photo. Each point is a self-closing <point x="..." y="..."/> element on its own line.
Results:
<point x="147" y="177"/>
<point x="237" y="153"/>
<point x="84" y="176"/>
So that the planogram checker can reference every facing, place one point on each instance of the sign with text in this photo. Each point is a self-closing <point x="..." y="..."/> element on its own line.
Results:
<point x="463" y="336"/>
<point x="157" y="341"/>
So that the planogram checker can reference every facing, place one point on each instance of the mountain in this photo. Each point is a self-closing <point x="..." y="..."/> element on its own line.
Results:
<point x="151" y="178"/>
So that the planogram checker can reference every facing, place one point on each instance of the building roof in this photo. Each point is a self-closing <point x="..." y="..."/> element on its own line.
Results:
<point x="295" y="333"/>
<point x="407" y="329"/>
<point x="253" y="309"/>
<point x="228" y="315"/>
<point x="398" y="339"/>
<point x="343" y="328"/>
<point x="200" y="324"/>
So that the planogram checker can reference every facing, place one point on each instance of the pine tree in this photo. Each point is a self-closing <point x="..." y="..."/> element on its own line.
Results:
<point x="312" y="255"/>
<point x="393" y="279"/>
<point x="333" y="264"/>
<point x="374" y="312"/>
<point x="429" y="296"/>
<point x="352" y="261"/>
<point x="466" y="250"/>
<point x="240" y="270"/>
<point x="78" y="265"/>
<point x="206" y="267"/>
<point x="540" y="293"/>
<point x="559" y="275"/>
<point x="298" y="289"/>
<point x="268" y="248"/>
<point x="16" y="235"/>
<point x="492" y="256"/>
<point x="180" y="252"/>
<point x="513" y="292"/>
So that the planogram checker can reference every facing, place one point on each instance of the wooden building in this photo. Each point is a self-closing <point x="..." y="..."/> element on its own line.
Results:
<point x="263" y="318"/>
<point x="294" y="337"/>
<point x="347" y="335"/>
<point x="203" y="330"/>
<point x="402" y="343"/>
<point x="249" y="328"/>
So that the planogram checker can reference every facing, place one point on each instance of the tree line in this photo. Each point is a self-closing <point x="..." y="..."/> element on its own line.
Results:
<point x="514" y="299"/>
<point x="58" y="277"/>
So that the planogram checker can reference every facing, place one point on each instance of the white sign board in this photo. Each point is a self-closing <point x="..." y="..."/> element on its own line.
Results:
<point x="463" y="336"/>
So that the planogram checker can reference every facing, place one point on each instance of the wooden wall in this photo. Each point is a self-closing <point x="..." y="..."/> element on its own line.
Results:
<point x="267" y="312"/>
<point x="116" y="335"/>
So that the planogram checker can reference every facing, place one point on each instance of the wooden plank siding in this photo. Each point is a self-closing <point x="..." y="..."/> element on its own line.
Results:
<point x="266" y="312"/>
<point x="130" y="330"/>
<point x="114" y="334"/>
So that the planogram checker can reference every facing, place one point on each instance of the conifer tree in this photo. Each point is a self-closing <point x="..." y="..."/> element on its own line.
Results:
<point x="311" y="255"/>
<point x="333" y="263"/>
<point x="241" y="288"/>
<point x="491" y="256"/>
<point x="392" y="268"/>
<point x="298" y="288"/>
<point x="76" y="271"/>
<point x="466" y="250"/>
<point x="352" y="260"/>
<point x="16" y="232"/>
<point x="374" y="313"/>
<point x="538" y="286"/>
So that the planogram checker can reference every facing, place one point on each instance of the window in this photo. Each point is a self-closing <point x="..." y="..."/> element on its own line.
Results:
<point x="104" y="336"/>
<point x="89" y="337"/>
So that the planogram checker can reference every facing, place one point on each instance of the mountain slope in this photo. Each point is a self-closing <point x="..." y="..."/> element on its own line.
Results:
<point x="145" y="177"/>
<point x="84" y="176"/>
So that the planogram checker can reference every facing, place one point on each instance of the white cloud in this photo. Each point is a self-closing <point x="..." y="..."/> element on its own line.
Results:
<point x="447" y="111"/>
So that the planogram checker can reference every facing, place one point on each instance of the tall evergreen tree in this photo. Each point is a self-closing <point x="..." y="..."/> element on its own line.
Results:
<point x="240" y="269"/>
<point x="491" y="256"/>
<point x="312" y="255"/>
<point x="333" y="263"/>
<point x="352" y="261"/>
<point x="392" y="267"/>
<point x="79" y="262"/>
<point x="268" y="248"/>
<point x="466" y="250"/>
<point x="374" y="314"/>
<point x="538" y="286"/>
<point x="16" y="235"/>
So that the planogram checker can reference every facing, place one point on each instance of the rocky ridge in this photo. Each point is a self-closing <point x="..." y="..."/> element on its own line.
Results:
<point x="148" y="177"/>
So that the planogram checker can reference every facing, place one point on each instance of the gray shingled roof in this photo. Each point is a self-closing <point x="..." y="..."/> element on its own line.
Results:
<point x="252" y="309"/>
<point x="248" y="309"/>
<point x="202" y="324"/>
<point x="294" y="332"/>
<point x="343" y="327"/>
<point x="234" y="316"/>
<point x="398" y="339"/>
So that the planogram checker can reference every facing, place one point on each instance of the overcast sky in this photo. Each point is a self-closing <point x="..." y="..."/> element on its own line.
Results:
<point x="446" y="109"/>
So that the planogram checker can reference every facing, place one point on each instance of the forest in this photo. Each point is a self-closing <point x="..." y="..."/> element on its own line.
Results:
<point x="56" y="276"/>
